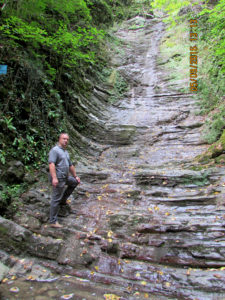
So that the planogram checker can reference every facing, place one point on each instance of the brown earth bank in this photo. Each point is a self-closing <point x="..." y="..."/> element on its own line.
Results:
<point x="145" y="222"/>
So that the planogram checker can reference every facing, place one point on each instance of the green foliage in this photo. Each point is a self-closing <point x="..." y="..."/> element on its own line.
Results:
<point x="66" y="10"/>
<point x="121" y="9"/>
<point x="215" y="19"/>
<point x="171" y="7"/>
<point x="215" y="124"/>
<point x="49" y="47"/>
<point x="7" y="123"/>
<point x="73" y="46"/>
<point x="2" y="156"/>
<point x="139" y="7"/>
<point x="199" y="180"/>
<point x="173" y="53"/>
<point x="120" y="87"/>
<point x="116" y="82"/>
<point x="212" y="68"/>
<point x="9" y="197"/>
<point x="100" y="11"/>
<point x="211" y="58"/>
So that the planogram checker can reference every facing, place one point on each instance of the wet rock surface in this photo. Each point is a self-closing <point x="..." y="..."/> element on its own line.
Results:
<point x="146" y="223"/>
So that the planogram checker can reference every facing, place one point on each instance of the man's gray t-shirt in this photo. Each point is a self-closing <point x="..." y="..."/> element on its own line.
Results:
<point x="61" y="159"/>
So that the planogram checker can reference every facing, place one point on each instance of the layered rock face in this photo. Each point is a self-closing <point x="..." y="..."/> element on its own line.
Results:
<point x="145" y="223"/>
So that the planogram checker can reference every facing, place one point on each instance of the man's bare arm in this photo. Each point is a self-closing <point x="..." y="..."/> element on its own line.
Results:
<point x="52" y="171"/>
<point x="73" y="172"/>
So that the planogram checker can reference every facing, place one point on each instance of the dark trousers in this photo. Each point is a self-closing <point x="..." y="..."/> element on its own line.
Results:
<point x="60" y="194"/>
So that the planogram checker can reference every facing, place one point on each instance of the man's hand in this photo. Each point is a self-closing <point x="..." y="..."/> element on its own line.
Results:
<point x="73" y="172"/>
<point x="78" y="179"/>
<point x="53" y="174"/>
<point x="55" y="182"/>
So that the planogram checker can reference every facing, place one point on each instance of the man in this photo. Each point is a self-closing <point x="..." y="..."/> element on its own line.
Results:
<point x="62" y="184"/>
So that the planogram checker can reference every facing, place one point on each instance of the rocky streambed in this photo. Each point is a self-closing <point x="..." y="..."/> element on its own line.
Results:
<point x="146" y="222"/>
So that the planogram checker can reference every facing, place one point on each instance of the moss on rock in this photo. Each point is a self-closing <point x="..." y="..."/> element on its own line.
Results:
<point x="215" y="151"/>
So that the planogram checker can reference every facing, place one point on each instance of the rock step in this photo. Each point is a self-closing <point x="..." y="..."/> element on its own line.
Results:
<point x="131" y="278"/>
<point x="172" y="178"/>
<point x="18" y="239"/>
